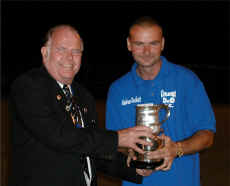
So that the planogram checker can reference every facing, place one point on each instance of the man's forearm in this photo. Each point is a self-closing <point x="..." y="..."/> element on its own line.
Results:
<point x="201" y="140"/>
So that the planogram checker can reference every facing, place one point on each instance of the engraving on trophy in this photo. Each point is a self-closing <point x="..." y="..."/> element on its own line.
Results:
<point x="148" y="115"/>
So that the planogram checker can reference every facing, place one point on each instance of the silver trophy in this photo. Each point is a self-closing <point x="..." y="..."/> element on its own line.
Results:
<point x="148" y="115"/>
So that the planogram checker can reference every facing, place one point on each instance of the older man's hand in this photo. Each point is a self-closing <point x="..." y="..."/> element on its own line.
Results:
<point x="130" y="137"/>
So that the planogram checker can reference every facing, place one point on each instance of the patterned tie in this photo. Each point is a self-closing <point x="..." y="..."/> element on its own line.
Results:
<point x="76" y="116"/>
<point x="73" y="108"/>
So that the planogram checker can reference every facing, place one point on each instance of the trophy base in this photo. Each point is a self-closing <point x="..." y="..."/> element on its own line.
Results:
<point x="145" y="165"/>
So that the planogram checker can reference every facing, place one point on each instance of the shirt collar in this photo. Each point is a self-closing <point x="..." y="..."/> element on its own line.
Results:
<point x="61" y="85"/>
<point x="163" y="72"/>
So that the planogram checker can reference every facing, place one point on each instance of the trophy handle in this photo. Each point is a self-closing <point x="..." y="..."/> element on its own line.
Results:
<point x="163" y="106"/>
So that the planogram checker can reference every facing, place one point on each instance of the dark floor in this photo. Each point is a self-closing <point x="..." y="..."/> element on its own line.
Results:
<point x="215" y="162"/>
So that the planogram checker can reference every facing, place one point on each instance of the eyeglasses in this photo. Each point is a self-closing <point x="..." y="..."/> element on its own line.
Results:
<point x="64" y="51"/>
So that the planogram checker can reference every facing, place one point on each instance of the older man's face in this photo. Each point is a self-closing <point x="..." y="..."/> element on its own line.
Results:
<point x="62" y="55"/>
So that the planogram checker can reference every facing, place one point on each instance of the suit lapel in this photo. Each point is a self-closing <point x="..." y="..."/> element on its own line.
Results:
<point x="55" y="90"/>
<point x="60" y="97"/>
<point x="62" y="103"/>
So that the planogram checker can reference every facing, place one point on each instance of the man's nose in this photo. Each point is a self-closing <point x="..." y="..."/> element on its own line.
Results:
<point x="147" y="49"/>
<point x="69" y="55"/>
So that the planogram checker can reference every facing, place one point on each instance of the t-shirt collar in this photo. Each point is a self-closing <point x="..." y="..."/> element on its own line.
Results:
<point x="163" y="72"/>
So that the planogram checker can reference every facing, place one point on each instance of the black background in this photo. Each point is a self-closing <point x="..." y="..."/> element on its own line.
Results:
<point x="196" y="33"/>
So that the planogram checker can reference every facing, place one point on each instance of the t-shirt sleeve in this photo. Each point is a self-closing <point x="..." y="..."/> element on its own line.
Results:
<point x="199" y="108"/>
<point x="113" y="121"/>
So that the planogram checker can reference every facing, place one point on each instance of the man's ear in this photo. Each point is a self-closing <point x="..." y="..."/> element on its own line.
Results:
<point x="128" y="44"/>
<point x="44" y="51"/>
<point x="163" y="44"/>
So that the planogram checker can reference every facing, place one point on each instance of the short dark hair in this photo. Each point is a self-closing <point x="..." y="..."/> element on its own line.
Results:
<point x="145" y="21"/>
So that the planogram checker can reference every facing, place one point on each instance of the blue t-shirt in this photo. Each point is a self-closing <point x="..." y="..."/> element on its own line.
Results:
<point x="190" y="110"/>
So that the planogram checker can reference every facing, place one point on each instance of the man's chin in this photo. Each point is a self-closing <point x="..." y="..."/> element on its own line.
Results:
<point x="146" y="63"/>
<point x="67" y="80"/>
<point x="68" y="77"/>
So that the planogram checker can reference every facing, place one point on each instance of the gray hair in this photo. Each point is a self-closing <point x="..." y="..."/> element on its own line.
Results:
<point x="48" y="36"/>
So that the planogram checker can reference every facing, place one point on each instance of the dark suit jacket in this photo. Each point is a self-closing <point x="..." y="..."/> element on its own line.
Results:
<point x="46" y="148"/>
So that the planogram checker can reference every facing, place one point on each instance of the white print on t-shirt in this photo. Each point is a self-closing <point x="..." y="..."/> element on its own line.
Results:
<point x="131" y="100"/>
<point x="168" y="98"/>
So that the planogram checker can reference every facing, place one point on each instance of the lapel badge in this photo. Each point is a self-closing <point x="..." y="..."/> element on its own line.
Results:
<point x="67" y="108"/>
<point x="85" y="110"/>
<point x="58" y="97"/>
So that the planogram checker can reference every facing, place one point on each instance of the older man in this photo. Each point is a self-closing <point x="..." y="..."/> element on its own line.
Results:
<point x="55" y="141"/>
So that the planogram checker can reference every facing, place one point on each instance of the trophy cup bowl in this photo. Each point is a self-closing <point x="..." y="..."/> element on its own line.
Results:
<point x="148" y="115"/>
